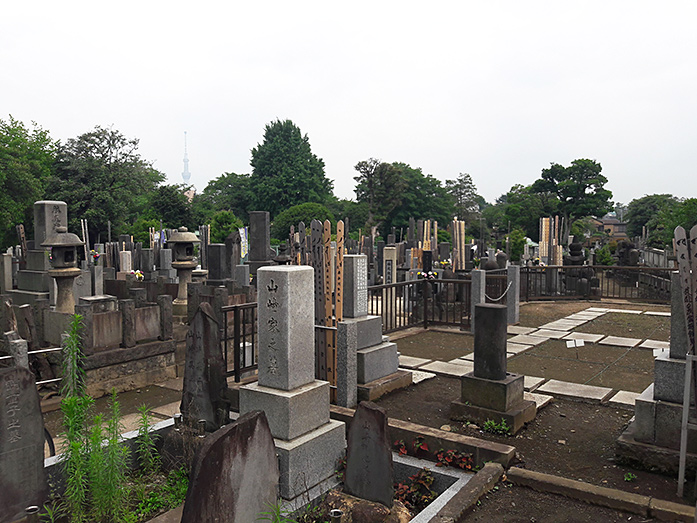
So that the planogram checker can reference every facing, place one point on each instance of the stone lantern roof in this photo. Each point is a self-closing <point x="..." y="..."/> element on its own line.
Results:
<point x="62" y="238"/>
<point x="182" y="235"/>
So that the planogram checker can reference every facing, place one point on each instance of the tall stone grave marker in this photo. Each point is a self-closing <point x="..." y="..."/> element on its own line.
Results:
<point x="235" y="474"/>
<point x="259" y="240"/>
<point x="369" y="470"/>
<point x="204" y="372"/>
<point x="309" y="444"/>
<point x="22" y="476"/>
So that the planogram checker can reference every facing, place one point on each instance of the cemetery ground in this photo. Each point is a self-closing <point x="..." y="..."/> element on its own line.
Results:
<point x="568" y="439"/>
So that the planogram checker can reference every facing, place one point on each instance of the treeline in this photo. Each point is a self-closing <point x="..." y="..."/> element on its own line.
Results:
<point x="103" y="179"/>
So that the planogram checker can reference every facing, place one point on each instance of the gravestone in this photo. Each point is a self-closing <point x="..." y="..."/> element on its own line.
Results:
<point x="259" y="240"/>
<point x="369" y="470"/>
<point x="204" y="372"/>
<point x="233" y="252"/>
<point x="22" y="476"/>
<point x="235" y="474"/>
<point x="218" y="264"/>
<point x="444" y="251"/>
<point x="309" y="444"/>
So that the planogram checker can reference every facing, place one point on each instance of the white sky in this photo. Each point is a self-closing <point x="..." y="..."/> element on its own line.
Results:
<point x="496" y="89"/>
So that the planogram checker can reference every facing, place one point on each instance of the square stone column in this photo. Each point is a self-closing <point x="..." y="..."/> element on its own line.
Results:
<point x="477" y="294"/>
<point x="513" y="296"/>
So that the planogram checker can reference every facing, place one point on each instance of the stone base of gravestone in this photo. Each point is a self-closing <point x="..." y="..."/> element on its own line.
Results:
<point x="358" y="509"/>
<point x="375" y="389"/>
<point x="235" y="474"/>
<point x="515" y="418"/>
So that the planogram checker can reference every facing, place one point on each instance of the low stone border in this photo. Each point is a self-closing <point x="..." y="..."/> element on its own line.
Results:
<point x="460" y="504"/>
<point x="603" y="496"/>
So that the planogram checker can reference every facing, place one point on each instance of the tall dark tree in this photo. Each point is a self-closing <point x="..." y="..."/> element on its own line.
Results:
<point x="26" y="161"/>
<point x="285" y="172"/>
<point x="228" y="192"/>
<point x="579" y="187"/>
<point x="380" y="186"/>
<point x="170" y="204"/>
<point x="641" y="210"/>
<point x="102" y="178"/>
<point x="464" y="194"/>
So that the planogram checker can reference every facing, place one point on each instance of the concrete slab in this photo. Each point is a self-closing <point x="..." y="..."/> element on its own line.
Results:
<point x="586" y="316"/>
<point x="575" y="391"/>
<point x="590" y="338"/>
<point x="418" y="376"/>
<point x="411" y="362"/>
<point x="167" y="411"/>
<point x="549" y="333"/>
<point x="625" y="311"/>
<point x="618" y="341"/>
<point x="596" y="309"/>
<point x="447" y="369"/>
<point x="659" y="352"/>
<point x="461" y="361"/>
<point x="468" y="357"/>
<point x="517" y="329"/>
<point x="515" y="348"/>
<point x="656" y="313"/>
<point x="526" y="339"/>
<point x="541" y="400"/>
<point x="654" y="344"/>
<point x="624" y="399"/>
<point x="530" y="383"/>
<point x="173" y="384"/>
<point x="563" y="325"/>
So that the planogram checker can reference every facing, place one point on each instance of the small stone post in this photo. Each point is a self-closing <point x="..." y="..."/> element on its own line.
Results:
<point x="513" y="295"/>
<point x="477" y="295"/>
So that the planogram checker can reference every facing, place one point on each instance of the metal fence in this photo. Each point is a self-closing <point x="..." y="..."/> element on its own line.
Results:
<point x="650" y="284"/>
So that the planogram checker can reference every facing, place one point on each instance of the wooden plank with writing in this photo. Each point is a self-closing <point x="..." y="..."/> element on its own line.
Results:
<point x="330" y="357"/>
<point x="682" y="251"/>
<point x="320" y="340"/>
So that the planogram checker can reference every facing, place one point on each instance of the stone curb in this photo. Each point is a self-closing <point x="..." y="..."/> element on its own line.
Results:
<point x="483" y="481"/>
<point x="603" y="496"/>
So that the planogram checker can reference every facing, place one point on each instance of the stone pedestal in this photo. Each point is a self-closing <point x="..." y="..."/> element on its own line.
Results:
<point x="308" y="443"/>
<point x="65" y="299"/>
<point x="184" y="271"/>
<point x="489" y="392"/>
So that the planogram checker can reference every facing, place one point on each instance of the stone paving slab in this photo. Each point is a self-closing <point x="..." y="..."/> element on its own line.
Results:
<point x="585" y="336"/>
<point x="625" y="311"/>
<point x="624" y="399"/>
<point x="575" y="391"/>
<point x="515" y="348"/>
<point x="660" y="352"/>
<point x="541" y="400"/>
<point x="167" y="411"/>
<point x="411" y="362"/>
<point x="656" y="313"/>
<point x="526" y="339"/>
<point x="654" y="344"/>
<point x="468" y="357"/>
<point x="550" y="333"/>
<point x="418" y="376"/>
<point x="584" y="316"/>
<point x="461" y="361"/>
<point x="530" y="383"/>
<point x="596" y="309"/>
<point x="618" y="341"/>
<point x="563" y="325"/>
<point x="517" y="329"/>
<point x="447" y="369"/>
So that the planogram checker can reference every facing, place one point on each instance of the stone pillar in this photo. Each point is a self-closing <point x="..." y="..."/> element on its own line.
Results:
<point x="513" y="296"/>
<point x="48" y="216"/>
<point x="477" y="294"/>
<point x="678" y="334"/>
<point x="490" y="341"/>
<point x="193" y="299"/>
<point x="139" y="296"/>
<point x="217" y="264"/>
<point x="259" y="240"/>
<point x="128" y="316"/>
<point x="389" y="269"/>
<point x="355" y="285"/>
<point x="308" y="442"/>
<point x="164" y="301"/>
<point x="125" y="261"/>
<point x="346" y="364"/>
<point x="6" y="273"/>
<point x="18" y="349"/>
<point x="85" y="310"/>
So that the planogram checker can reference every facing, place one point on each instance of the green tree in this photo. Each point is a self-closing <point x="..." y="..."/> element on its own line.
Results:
<point x="285" y="172"/>
<point x="228" y="192"/>
<point x="26" y="160"/>
<point x="580" y="189"/>
<point x="380" y="186"/>
<point x="356" y="212"/>
<point x="305" y="212"/>
<point x="517" y="243"/>
<point x="466" y="199"/>
<point x="662" y="225"/>
<point x="222" y="224"/>
<point x="101" y="177"/>
<point x="169" y="204"/>
<point x="641" y="210"/>
<point x="140" y="229"/>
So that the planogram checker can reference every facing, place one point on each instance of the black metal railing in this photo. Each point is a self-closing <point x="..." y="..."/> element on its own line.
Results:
<point x="244" y="338"/>
<point x="651" y="284"/>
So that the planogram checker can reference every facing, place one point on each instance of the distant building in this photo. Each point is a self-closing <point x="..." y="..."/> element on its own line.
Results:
<point x="610" y="225"/>
<point x="186" y="175"/>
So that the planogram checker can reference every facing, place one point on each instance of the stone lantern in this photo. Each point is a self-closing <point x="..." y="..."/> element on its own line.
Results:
<point x="182" y="244"/>
<point x="64" y="269"/>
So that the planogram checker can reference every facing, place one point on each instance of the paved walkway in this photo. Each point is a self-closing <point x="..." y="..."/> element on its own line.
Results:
<point x="524" y="339"/>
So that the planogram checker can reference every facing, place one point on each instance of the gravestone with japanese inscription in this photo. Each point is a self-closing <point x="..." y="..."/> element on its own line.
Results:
<point x="369" y="469"/>
<point x="309" y="444"/>
<point x="203" y="394"/>
<point x="22" y="476"/>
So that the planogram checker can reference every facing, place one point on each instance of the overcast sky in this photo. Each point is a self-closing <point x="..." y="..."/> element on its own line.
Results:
<point x="495" y="89"/>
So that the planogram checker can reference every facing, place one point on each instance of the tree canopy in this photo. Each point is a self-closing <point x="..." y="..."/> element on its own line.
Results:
<point x="26" y="160"/>
<point x="465" y="197"/>
<point x="285" y="172"/>
<point x="102" y="178"/>
<point x="305" y="212"/>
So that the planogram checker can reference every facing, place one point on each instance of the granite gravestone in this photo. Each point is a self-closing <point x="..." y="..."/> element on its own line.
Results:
<point x="369" y="470"/>
<point x="235" y="474"/>
<point x="22" y="476"/>
<point x="204" y="372"/>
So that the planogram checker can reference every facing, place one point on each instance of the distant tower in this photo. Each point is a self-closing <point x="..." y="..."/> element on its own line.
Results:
<point x="186" y="175"/>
